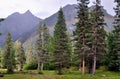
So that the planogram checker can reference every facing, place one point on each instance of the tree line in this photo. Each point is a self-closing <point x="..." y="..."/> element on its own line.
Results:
<point x="89" y="46"/>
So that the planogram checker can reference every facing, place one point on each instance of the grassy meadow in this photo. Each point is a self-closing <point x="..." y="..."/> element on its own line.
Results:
<point x="32" y="74"/>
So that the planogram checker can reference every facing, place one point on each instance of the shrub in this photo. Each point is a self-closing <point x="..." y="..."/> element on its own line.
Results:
<point x="30" y="66"/>
<point x="49" y="67"/>
<point x="102" y="68"/>
<point x="3" y="70"/>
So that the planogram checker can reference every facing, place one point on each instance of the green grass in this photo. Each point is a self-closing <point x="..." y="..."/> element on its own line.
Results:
<point x="72" y="75"/>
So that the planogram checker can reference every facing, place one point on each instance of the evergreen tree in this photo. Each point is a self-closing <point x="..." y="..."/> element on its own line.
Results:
<point x="89" y="40"/>
<point x="116" y="49"/>
<point x="41" y="45"/>
<point x="46" y="42"/>
<point x="29" y="55"/>
<point x="50" y="57"/>
<point x="81" y="33"/>
<point x="46" y="36"/>
<point x="111" y="56"/>
<point x="39" y="49"/>
<point x="20" y="55"/>
<point x="99" y="34"/>
<point x="9" y="55"/>
<point x="1" y="57"/>
<point x="70" y="50"/>
<point x="61" y="53"/>
<point x="47" y="45"/>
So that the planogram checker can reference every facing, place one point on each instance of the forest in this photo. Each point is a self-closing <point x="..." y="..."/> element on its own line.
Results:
<point x="89" y="51"/>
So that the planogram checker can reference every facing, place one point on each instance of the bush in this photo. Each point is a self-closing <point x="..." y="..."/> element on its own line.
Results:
<point x="102" y="68"/>
<point x="30" y="66"/>
<point x="73" y="69"/>
<point x="3" y="71"/>
<point x="49" y="67"/>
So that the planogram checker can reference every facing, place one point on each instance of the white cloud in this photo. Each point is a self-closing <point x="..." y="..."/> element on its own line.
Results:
<point x="41" y="8"/>
<point x="108" y="5"/>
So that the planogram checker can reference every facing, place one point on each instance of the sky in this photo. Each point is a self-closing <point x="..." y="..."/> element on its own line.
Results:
<point x="43" y="8"/>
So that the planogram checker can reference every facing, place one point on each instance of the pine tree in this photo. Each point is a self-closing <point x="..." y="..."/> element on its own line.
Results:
<point x="20" y="55"/>
<point x="9" y="55"/>
<point x="116" y="40"/>
<point x="89" y="41"/>
<point x="45" y="41"/>
<point x="29" y="55"/>
<point x="41" y="45"/>
<point x="70" y="50"/>
<point x="81" y="33"/>
<point x="1" y="58"/>
<point x="61" y="53"/>
<point x="39" y="49"/>
<point x="50" y="57"/>
<point x="46" y="46"/>
<point x="111" y="56"/>
<point x="99" y="34"/>
<point x="46" y="36"/>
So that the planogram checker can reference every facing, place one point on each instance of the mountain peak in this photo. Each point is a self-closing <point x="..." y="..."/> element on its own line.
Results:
<point x="28" y="11"/>
<point x="18" y="24"/>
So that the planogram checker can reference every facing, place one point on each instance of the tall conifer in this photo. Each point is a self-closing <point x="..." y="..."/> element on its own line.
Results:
<point x="81" y="33"/>
<point x="9" y="55"/>
<point x="19" y="54"/>
<point x="99" y="34"/>
<point x="41" y="46"/>
<point x="116" y="58"/>
<point x="61" y="53"/>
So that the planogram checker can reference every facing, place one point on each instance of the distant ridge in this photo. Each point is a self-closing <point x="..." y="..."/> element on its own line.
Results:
<point x="17" y="24"/>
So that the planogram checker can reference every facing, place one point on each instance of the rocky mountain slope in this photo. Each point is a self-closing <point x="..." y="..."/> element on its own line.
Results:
<point x="18" y="24"/>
